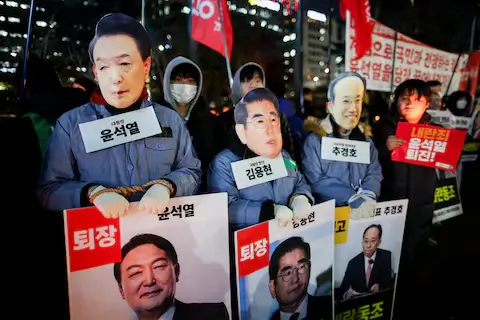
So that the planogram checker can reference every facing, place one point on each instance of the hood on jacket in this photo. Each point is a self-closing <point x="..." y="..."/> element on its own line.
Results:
<point x="167" y="93"/>
<point x="325" y="127"/>
<point x="237" y="82"/>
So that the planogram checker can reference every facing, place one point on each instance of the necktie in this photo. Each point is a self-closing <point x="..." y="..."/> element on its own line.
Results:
<point x="369" y="270"/>
<point x="295" y="316"/>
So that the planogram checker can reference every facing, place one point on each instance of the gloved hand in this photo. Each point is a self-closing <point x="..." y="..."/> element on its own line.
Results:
<point x="110" y="204"/>
<point x="364" y="211"/>
<point x="283" y="214"/>
<point x="155" y="199"/>
<point x="301" y="207"/>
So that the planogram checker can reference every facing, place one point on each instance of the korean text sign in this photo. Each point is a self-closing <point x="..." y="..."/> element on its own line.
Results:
<point x="413" y="59"/>
<point x="429" y="146"/>
<point x="256" y="245"/>
<point x="360" y="294"/>
<point x="192" y="225"/>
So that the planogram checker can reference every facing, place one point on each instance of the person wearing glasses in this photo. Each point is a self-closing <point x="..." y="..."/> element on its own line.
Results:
<point x="258" y="127"/>
<point x="147" y="276"/>
<point x="371" y="270"/>
<point x="348" y="181"/>
<point x="289" y="272"/>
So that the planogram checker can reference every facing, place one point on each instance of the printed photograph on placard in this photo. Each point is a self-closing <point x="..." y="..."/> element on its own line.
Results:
<point x="367" y="258"/>
<point x="287" y="272"/>
<point x="174" y="265"/>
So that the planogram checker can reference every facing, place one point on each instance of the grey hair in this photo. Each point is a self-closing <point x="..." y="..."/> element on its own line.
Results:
<point x="259" y="94"/>
<point x="343" y="75"/>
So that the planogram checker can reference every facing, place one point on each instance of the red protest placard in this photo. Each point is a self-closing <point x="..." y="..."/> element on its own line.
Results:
<point x="253" y="249"/>
<point x="93" y="240"/>
<point x="429" y="146"/>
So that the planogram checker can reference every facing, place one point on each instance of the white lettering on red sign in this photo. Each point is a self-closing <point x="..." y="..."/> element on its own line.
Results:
<point x="87" y="239"/>
<point x="252" y="250"/>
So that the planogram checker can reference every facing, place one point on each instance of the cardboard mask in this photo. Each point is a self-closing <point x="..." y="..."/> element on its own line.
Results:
<point x="261" y="131"/>
<point x="346" y="104"/>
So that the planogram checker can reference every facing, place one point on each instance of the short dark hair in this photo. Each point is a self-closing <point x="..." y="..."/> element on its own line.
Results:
<point x="285" y="247"/>
<point x="259" y="94"/>
<point x="117" y="23"/>
<point x="434" y="83"/>
<point x="186" y="70"/>
<point x="141" y="239"/>
<point x="248" y="72"/>
<point x="378" y="226"/>
<point x="411" y="87"/>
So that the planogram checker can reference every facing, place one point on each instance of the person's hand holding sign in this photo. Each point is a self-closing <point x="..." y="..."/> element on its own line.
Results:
<point x="283" y="214"/>
<point x="394" y="142"/>
<point x="110" y="204"/>
<point x="301" y="207"/>
<point x="374" y="288"/>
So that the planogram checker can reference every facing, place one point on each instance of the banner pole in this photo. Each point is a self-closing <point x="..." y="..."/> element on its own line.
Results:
<point x="392" y="79"/>
<point x="224" y="37"/>
<point x="26" y="53"/>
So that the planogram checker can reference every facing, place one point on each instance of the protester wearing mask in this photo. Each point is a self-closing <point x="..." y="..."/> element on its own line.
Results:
<point x="248" y="77"/>
<point x="459" y="103"/>
<point x="354" y="184"/>
<point x="258" y="128"/>
<point x="160" y="165"/>
<point x="182" y="88"/>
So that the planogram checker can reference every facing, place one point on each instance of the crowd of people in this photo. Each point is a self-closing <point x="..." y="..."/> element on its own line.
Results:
<point x="193" y="152"/>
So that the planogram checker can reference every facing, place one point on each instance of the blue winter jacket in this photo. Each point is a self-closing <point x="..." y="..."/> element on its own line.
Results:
<point x="334" y="179"/>
<point x="244" y="205"/>
<point x="68" y="169"/>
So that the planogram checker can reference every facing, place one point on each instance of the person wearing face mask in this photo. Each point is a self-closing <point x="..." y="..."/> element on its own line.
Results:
<point x="248" y="77"/>
<point x="149" y="156"/>
<point x="354" y="184"/>
<point x="182" y="87"/>
<point x="459" y="103"/>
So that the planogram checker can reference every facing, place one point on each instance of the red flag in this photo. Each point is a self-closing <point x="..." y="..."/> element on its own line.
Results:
<point x="362" y="23"/>
<point x="469" y="79"/>
<point x="206" y="25"/>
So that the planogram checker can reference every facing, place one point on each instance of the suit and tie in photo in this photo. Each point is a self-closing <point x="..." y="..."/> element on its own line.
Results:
<point x="371" y="270"/>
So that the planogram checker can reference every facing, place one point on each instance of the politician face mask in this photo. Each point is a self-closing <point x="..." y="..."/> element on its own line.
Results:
<point x="346" y="106"/>
<point x="183" y="93"/>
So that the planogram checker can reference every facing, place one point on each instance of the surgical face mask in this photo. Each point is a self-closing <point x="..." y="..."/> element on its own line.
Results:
<point x="461" y="104"/>
<point x="183" y="93"/>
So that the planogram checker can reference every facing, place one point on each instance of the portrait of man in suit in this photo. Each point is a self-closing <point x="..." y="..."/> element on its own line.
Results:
<point x="147" y="278"/>
<point x="289" y="272"/>
<point x="371" y="270"/>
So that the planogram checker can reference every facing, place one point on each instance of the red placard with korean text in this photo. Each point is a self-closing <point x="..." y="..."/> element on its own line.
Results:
<point x="93" y="240"/>
<point x="429" y="146"/>
<point x="253" y="245"/>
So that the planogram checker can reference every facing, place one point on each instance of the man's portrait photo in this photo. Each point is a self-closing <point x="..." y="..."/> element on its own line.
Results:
<point x="147" y="277"/>
<point x="289" y="273"/>
<point x="370" y="271"/>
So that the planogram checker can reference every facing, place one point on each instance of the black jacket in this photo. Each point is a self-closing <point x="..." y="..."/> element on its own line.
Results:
<point x="200" y="311"/>
<point x="406" y="181"/>
<point x="204" y="131"/>
<point x="319" y="308"/>
<point x="355" y="275"/>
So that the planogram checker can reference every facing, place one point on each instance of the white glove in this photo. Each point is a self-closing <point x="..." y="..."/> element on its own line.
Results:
<point x="301" y="207"/>
<point x="283" y="214"/>
<point x="110" y="204"/>
<point x="155" y="199"/>
<point x="364" y="211"/>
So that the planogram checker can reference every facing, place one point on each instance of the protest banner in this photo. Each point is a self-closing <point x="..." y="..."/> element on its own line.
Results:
<point x="429" y="146"/>
<point x="367" y="258"/>
<point x="447" y="203"/>
<point x="280" y="266"/>
<point x="413" y="60"/>
<point x="470" y="150"/>
<point x="118" y="268"/>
